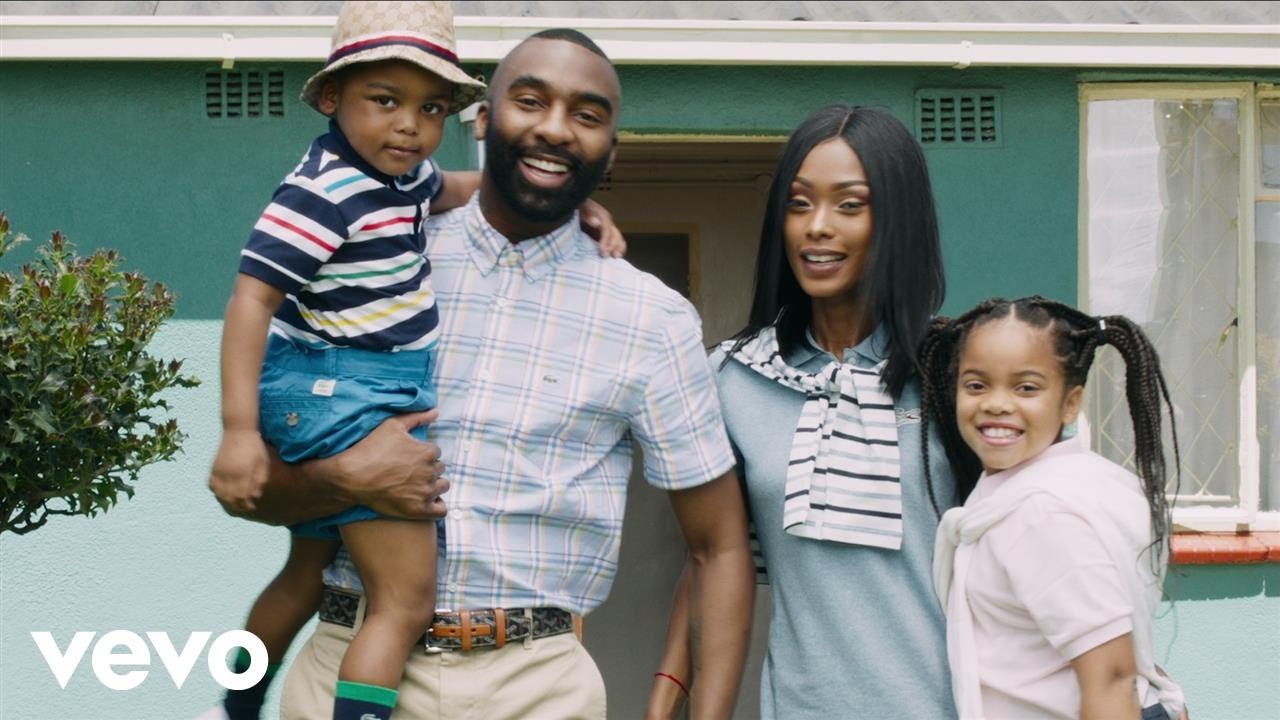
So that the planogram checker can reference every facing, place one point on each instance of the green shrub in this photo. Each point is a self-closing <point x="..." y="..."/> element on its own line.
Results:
<point x="80" y="406"/>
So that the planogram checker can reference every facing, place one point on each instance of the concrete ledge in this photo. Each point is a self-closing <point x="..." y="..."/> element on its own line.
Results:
<point x="1225" y="548"/>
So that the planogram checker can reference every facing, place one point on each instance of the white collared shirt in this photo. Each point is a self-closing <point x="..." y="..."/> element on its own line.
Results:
<point x="552" y="361"/>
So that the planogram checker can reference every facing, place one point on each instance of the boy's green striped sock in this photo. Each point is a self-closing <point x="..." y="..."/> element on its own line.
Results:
<point x="246" y="704"/>
<point x="358" y="701"/>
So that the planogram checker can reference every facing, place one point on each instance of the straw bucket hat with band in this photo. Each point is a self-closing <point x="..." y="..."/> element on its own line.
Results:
<point x="416" y="32"/>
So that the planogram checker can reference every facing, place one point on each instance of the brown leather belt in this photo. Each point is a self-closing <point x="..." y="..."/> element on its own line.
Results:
<point x="467" y="629"/>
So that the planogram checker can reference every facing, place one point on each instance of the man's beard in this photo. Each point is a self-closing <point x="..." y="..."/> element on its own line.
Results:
<point x="529" y="201"/>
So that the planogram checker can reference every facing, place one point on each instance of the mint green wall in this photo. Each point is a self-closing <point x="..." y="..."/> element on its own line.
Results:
<point x="1221" y="639"/>
<point x="121" y="155"/>
<point x="1010" y="207"/>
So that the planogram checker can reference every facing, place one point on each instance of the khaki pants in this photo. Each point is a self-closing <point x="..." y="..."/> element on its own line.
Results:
<point x="551" y="678"/>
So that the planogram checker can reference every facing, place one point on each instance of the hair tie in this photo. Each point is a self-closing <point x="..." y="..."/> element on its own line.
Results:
<point x="1101" y="331"/>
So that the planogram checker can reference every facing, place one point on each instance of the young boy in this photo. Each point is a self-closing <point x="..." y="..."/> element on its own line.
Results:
<point x="334" y="306"/>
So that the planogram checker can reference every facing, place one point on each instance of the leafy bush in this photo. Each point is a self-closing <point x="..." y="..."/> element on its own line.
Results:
<point x="79" y="396"/>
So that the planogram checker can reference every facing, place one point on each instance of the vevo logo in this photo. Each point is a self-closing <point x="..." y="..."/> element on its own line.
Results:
<point x="134" y="652"/>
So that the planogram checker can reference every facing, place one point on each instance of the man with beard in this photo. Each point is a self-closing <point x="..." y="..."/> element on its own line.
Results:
<point x="553" y="361"/>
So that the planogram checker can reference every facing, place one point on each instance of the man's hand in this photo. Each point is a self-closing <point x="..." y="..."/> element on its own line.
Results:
<point x="598" y="223"/>
<point x="391" y="471"/>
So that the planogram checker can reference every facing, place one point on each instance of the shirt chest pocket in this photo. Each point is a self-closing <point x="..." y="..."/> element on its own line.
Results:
<point x="563" y="405"/>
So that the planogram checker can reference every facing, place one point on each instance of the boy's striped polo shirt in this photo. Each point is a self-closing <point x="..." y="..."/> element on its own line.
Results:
<point x="344" y="242"/>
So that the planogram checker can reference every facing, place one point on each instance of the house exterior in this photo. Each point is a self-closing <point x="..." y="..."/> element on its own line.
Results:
<point x="1124" y="156"/>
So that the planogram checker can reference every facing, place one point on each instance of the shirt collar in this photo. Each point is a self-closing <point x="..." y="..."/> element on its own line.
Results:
<point x="535" y="256"/>
<point x="336" y="142"/>
<point x="871" y="350"/>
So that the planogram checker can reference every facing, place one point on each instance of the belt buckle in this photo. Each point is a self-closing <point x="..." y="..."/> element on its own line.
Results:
<point x="427" y="637"/>
<point x="468" y="632"/>
<point x="433" y="648"/>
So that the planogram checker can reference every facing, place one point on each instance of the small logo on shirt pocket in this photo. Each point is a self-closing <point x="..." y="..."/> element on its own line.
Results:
<point x="907" y="417"/>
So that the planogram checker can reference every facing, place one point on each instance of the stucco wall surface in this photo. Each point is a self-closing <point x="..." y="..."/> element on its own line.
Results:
<point x="169" y="560"/>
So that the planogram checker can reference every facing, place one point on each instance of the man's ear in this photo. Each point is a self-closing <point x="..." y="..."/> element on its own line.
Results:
<point x="482" y="120"/>
<point x="328" y="100"/>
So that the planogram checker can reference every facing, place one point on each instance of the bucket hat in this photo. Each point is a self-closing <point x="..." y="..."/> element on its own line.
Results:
<point x="416" y="32"/>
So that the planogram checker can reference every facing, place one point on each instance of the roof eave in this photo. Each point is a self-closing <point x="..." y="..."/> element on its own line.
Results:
<point x="667" y="42"/>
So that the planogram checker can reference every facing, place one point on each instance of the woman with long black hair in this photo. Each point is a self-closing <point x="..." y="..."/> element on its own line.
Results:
<point x="821" y="396"/>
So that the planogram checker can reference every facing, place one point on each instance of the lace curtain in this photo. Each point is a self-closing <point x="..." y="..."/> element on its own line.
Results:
<point x="1163" y="249"/>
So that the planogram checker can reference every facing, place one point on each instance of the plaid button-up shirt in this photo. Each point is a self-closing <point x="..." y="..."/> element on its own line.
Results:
<point x="552" y="362"/>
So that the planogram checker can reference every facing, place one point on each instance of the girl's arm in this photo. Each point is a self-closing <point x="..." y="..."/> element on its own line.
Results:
<point x="1107" y="675"/>
<point x="460" y="185"/>
<point x="713" y="520"/>
<point x="240" y="468"/>
<point x="668" y="695"/>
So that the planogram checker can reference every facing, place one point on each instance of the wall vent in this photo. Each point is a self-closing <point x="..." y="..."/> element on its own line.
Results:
<point x="275" y="93"/>
<point x="958" y="117"/>
<point x="243" y="94"/>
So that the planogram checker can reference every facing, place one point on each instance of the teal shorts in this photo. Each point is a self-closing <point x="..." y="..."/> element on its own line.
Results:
<point x="314" y="403"/>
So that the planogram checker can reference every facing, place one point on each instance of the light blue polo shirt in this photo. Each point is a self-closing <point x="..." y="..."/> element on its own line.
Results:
<point x="856" y="632"/>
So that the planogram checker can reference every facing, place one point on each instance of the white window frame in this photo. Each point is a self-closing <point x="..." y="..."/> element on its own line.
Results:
<point x="1246" y="515"/>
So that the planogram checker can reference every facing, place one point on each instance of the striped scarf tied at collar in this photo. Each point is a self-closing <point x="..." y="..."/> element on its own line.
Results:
<point x="843" y="473"/>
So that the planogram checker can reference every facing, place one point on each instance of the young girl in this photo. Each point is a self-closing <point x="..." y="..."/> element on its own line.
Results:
<point x="1051" y="570"/>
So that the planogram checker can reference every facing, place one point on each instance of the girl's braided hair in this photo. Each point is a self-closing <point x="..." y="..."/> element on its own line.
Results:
<point x="1075" y="336"/>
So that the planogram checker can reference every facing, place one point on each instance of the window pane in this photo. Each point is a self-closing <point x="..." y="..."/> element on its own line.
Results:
<point x="1163" y="205"/>
<point x="1269" y="117"/>
<point x="1267" y="224"/>
<point x="1268" y="351"/>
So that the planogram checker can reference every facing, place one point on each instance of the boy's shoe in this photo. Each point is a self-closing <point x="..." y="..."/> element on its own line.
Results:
<point x="214" y="713"/>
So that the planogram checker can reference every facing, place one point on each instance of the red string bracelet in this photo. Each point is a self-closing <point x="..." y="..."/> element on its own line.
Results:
<point x="675" y="680"/>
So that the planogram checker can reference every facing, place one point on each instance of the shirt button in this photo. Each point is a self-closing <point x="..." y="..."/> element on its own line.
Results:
<point x="453" y="587"/>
